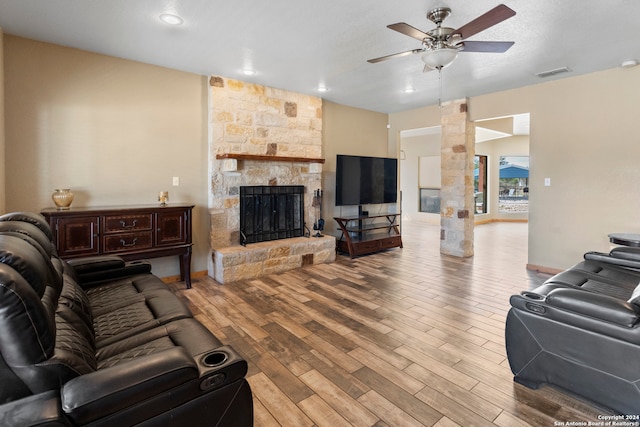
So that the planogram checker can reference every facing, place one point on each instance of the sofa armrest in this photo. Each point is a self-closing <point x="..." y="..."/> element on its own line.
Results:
<point x="95" y="263"/>
<point x="106" y="391"/>
<point x="616" y="257"/>
<point x="40" y="410"/>
<point x="602" y="307"/>
<point x="98" y="269"/>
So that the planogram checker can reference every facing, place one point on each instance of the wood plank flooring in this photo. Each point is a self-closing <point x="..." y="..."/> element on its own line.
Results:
<point x="406" y="337"/>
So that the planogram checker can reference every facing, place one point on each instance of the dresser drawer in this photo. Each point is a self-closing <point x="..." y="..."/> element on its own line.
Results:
<point x="118" y="223"/>
<point x="367" y="246"/>
<point x="128" y="242"/>
<point x="391" y="242"/>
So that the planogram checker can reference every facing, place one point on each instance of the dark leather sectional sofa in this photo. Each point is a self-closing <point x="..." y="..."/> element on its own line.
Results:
<point x="102" y="343"/>
<point x="580" y="331"/>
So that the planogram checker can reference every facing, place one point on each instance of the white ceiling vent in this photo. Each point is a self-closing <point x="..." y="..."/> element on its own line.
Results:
<point x="553" y="72"/>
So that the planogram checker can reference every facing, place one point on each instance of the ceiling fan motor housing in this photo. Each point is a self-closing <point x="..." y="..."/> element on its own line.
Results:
<point x="441" y="37"/>
<point x="438" y="15"/>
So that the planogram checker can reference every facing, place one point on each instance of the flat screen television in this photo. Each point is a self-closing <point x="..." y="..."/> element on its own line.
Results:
<point x="366" y="180"/>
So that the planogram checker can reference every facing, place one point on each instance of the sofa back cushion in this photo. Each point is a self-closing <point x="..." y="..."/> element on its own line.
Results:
<point x="32" y="218"/>
<point x="55" y="274"/>
<point x="32" y="231"/>
<point x="27" y="261"/>
<point x="27" y="332"/>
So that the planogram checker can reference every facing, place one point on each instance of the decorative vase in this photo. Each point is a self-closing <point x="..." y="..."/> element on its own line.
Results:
<point x="62" y="198"/>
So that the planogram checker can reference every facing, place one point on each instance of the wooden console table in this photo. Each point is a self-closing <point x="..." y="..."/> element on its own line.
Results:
<point x="131" y="232"/>
<point x="363" y="235"/>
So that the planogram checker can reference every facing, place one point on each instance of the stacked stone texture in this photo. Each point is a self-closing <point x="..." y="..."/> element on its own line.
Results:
<point x="238" y="263"/>
<point x="252" y="119"/>
<point x="457" y="201"/>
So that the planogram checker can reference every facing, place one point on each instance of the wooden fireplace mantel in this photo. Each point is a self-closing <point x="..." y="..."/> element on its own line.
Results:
<point x="259" y="157"/>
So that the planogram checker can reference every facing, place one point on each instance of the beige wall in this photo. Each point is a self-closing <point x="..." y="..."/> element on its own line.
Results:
<point x="425" y="117"/>
<point x="114" y="131"/>
<point x="351" y="131"/>
<point x="2" y="144"/>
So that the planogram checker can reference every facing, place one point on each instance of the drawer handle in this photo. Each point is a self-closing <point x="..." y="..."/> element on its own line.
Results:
<point x="124" y="224"/>
<point x="128" y="245"/>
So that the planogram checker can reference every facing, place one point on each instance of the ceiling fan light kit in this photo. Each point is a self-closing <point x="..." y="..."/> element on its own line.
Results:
<point x="439" y="58"/>
<point x="440" y="46"/>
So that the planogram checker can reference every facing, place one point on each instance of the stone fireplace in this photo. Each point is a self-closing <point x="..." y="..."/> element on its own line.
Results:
<point x="261" y="136"/>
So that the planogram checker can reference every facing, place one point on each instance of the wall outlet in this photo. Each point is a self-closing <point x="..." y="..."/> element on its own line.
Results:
<point x="176" y="181"/>
<point x="547" y="182"/>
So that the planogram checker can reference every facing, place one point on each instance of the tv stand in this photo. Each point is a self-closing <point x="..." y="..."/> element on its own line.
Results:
<point x="362" y="235"/>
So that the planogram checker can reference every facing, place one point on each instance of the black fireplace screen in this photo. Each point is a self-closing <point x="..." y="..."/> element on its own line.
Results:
<point x="271" y="212"/>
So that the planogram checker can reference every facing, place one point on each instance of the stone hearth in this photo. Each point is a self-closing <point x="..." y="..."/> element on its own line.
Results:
<point x="238" y="262"/>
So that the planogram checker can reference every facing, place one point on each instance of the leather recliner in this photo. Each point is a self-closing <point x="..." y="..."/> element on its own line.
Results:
<point x="104" y="343"/>
<point x="580" y="331"/>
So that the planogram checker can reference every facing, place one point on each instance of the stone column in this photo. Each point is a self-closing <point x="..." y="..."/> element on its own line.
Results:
<point x="457" y="202"/>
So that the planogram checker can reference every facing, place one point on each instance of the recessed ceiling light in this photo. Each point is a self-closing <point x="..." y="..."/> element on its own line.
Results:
<point x="322" y="88"/>
<point x="248" y="72"/>
<point x="170" y="19"/>
<point x="409" y="90"/>
<point x="629" y="64"/>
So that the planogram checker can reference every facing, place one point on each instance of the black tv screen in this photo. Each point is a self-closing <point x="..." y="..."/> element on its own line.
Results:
<point x="366" y="180"/>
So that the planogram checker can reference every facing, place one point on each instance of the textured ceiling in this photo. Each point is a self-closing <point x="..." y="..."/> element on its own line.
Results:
<point x="299" y="44"/>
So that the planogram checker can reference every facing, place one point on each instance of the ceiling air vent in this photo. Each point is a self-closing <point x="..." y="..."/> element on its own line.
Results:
<point x="553" y="72"/>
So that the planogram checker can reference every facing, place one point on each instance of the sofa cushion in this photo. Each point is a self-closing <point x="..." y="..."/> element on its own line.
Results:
<point x="32" y="218"/>
<point x="132" y="305"/>
<point x="128" y="288"/>
<point x="186" y="333"/>
<point x="32" y="231"/>
<point x="74" y="297"/>
<point x="75" y="345"/>
<point x="599" y="278"/>
<point x="27" y="333"/>
<point x="26" y="260"/>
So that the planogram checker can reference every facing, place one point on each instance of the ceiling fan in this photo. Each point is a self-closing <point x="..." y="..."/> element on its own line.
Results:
<point x="442" y="44"/>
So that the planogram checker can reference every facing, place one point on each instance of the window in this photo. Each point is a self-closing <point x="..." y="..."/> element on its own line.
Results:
<point x="514" y="184"/>
<point x="480" y="184"/>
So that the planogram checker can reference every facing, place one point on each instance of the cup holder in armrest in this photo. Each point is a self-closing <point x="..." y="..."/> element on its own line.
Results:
<point x="220" y="367"/>
<point x="215" y="358"/>
<point x="531" y="295"/>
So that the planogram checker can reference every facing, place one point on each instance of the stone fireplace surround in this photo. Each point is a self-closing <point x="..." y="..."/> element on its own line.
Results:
<point x="261" y="136"/>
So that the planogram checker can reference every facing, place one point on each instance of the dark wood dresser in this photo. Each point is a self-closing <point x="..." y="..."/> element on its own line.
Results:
<point x="131" y="232"/>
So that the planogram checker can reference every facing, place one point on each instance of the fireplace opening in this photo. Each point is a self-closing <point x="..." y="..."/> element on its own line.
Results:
<point x="271" y="212"/>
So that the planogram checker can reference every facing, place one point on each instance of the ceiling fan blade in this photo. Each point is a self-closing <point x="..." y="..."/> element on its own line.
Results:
<point x="482" y="22"/>
<point x="410" y="31"/>
<point x="490" y="47"/>
<point x="395" y="55"/>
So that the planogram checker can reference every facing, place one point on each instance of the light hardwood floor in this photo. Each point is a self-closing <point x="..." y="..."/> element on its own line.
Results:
<point x="406" y="337"/>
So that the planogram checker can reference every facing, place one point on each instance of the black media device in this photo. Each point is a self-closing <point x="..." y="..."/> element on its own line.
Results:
<point x="366" y="180"/>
